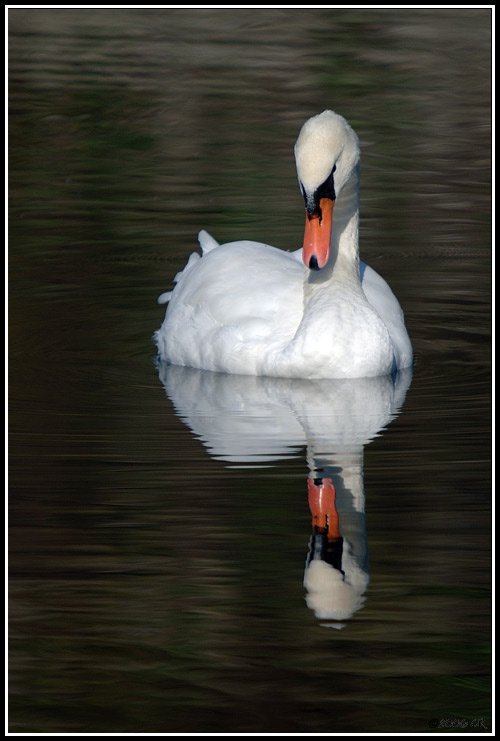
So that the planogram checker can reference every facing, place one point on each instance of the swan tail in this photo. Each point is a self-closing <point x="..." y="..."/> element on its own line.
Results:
<point x="164" y="298"/>
<point x="193" y="259"/>
<point x="207" y="242"/>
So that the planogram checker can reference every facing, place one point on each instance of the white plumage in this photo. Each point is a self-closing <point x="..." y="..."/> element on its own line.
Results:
<point x="252" y="309"/>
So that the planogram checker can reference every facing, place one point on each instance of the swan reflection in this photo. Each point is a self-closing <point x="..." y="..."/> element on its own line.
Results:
<point x="249" y="421"/>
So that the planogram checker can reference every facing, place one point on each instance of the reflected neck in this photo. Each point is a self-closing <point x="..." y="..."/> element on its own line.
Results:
<point x="344" y="468"/>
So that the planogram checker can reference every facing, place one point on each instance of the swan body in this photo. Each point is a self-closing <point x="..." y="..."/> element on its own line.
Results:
<point x="248" y="308"/>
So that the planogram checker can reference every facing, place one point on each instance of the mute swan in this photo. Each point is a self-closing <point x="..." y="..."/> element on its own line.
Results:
<point x="248" y="308"/>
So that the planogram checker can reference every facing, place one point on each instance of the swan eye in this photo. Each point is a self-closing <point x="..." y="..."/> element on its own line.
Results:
<point x="326" y="189"/>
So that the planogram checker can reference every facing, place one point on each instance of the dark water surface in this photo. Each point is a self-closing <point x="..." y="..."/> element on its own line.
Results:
<point x="159" y="518"/>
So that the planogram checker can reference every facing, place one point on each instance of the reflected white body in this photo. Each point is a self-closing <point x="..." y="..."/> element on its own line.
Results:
<point x="250" y="421"/>
<point x="252" y="309"/>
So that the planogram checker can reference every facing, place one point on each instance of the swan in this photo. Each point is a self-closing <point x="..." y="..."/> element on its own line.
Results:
<point x="248" y="308"/>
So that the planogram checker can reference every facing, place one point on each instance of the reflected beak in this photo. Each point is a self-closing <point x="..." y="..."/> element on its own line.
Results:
<point x="317" y="235"/>
<point x="321" y="495"/>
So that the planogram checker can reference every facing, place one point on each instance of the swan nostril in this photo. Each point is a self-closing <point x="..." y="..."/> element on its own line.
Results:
<point x="313" y="263"/>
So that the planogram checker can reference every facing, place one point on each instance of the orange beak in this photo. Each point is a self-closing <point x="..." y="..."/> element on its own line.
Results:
<point x="317" y="235"/>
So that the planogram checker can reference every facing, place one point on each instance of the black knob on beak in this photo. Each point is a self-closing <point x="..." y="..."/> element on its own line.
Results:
<point x="313" y="263"/>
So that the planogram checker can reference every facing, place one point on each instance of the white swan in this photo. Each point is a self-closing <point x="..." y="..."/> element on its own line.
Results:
<point x="248" y="308"/>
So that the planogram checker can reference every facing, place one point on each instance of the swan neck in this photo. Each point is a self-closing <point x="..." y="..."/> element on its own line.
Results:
<point x="344" y="245"/>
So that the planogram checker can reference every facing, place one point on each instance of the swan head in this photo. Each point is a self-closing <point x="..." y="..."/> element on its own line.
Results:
<point x="326" y="153"/>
